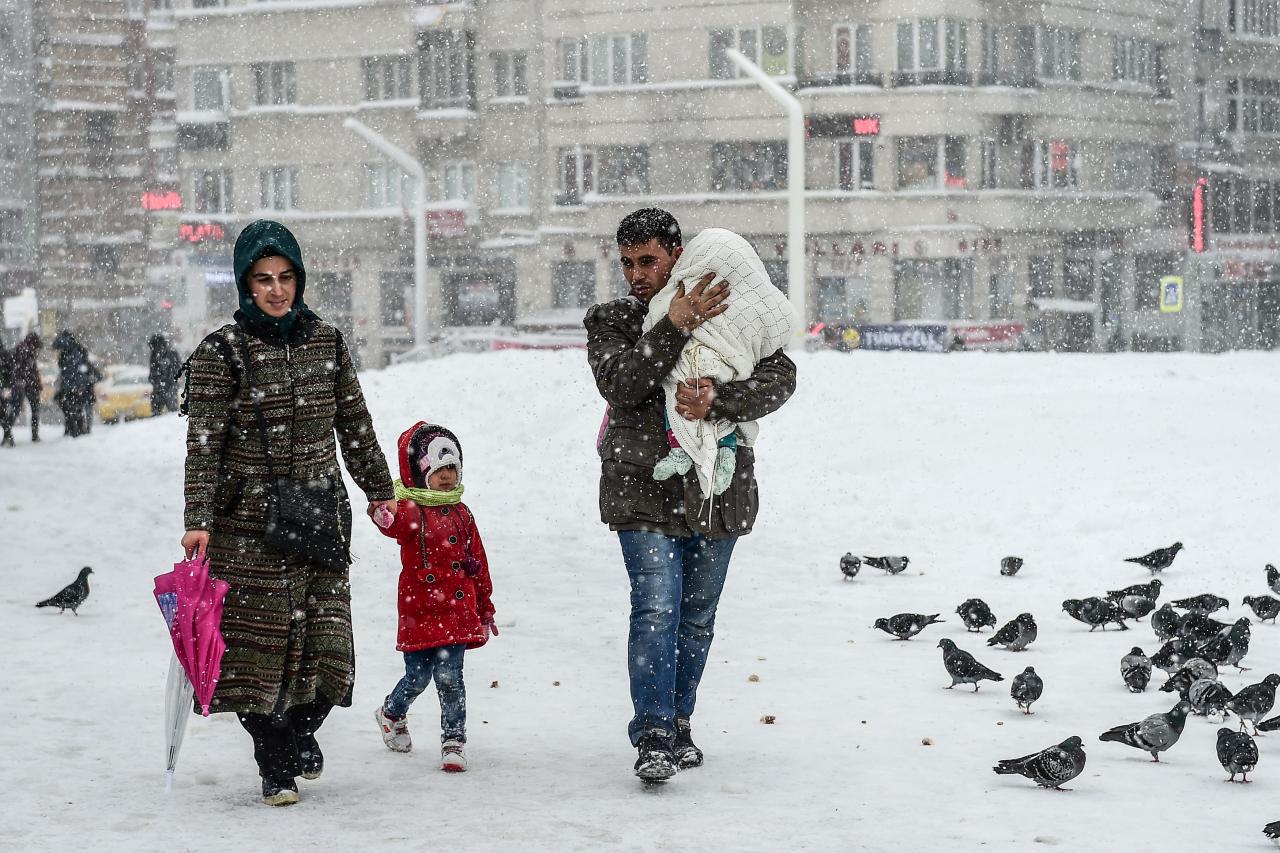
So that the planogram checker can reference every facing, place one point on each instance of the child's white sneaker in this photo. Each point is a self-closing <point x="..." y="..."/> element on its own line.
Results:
<point x="395" y="733"/>
<point x="452" y="757"/>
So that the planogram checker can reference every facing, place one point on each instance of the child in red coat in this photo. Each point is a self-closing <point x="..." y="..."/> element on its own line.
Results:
<point x="444" y="592"/>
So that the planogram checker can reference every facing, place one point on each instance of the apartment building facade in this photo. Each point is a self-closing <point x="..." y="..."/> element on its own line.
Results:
<point x="17" y="149"/>
<point x="979" y="161"/>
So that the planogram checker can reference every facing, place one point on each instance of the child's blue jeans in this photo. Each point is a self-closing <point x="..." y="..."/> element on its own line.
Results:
<point x="444" y="665"/>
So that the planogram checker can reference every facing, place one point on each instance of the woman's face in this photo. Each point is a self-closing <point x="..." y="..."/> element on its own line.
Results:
<point x="273" y="284"/>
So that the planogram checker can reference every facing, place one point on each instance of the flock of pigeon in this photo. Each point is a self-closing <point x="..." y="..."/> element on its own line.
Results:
<point x="1194" y="646"/>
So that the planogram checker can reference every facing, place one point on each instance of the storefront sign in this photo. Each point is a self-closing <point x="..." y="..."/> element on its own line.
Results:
<point x="201" y="232"/>
<point x="447" y="223"/>
<point x="917" y="338"/>
<point x="161" y="200"/>
<point x="841" y="126"/>
<point x="1170" y="294"/>
<point x="991" y="336"/>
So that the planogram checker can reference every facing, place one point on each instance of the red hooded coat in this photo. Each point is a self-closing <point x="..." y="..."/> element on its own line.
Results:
<point x="439" y="605"/>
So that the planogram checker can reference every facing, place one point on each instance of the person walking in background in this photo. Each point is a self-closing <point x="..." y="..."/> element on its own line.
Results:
<point x="445" y="601"/>
<point x="10" y="395"/>
<point x="266" y="395"/>
<point x="77" y="374"/>
<point x="675" y="546"/>
<point x="163" y="375"/>
<point x="27" y="377"/>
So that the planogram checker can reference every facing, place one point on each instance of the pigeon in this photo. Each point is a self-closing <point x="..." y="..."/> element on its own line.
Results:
<point x="892" y="565"/>
<point x="964" y="667"/>
<point x="1166" y="622"/>
<point x="1094" y="612"/>
<point x="1272" y="830"/>
<point x="1173" y="654"/>
<point x="1209" y="698"/>
<point x="1205" y="603"/>
<point x="976" y="615"/>
<point x="1237" y="753"/>
<point x="1237" y="640"/>
<point x="1135" y="669"/>
<point x="1263" y="606"/>
<point x="1026" y="688"/>
<point x="1199" y="628"/>
<point x="1155" y="734"/>
<point x="1273" y="578"/>
<point x="1146" y="590"/>
<point x="1159" y="559"/>
<point x="1135" y="606"/>
<point x="1190" y="672"/>
<point x="849" y="566"/>
<point x="1049" y="768"/>
<point x="72" y="595"/>
<point x="904" y="626"/>
<point x="1016" y="635"/>
<point x="1254" y="702"/>
<point x="1009" y="566"/>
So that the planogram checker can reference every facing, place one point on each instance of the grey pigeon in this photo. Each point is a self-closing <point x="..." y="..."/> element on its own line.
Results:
<point x="1010" y="566"/>
<point x="1165" y="622"/>
<point x="1159" y="559"/>
<point x="72" y="595"/>
<point x="964" y="667"/>
<point x="1016" y="635"/>
<point x="1155" y="734"/>
<point x="976" y="615"/>
<point x="1273" y="578"/>
<point x="904" y="626"/>
<point x="1254" y="702"/>
<point x="1205" y="603"/>
<point x="1135" y="669"/>
<point x="1190" y="672"/>
<point x="849" y="566"/>
<point x="1200" y="628"/>
<point x="1049" y="768"/>
<point x="1146" y="590"/>
<point x="1135" y="606"/>
<point x="1263" y="606"/>
<point x="1272" y="830"/>
<point x="1208" y="698"/>
<point x="1095" y="611"/>
<point x="892" y="565"/>
<point x="1026" y="688"/>
<point x="1237" y="641"/>
<point x="1237" y="753"/>
<point x="1173" y="654"/>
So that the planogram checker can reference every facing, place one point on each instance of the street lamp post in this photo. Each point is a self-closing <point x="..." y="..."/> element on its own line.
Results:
<point x="414" y="168"/>
<point x="796" y="288"/>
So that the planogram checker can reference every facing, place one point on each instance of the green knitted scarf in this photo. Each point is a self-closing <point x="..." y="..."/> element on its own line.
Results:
<point x="428" y="497"/>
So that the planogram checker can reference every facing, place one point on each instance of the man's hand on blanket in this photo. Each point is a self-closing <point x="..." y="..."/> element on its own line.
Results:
<point x="690" y="310"/>
<point x="694" y="398"/>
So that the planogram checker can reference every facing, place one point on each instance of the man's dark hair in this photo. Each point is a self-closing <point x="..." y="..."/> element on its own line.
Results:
<point x="650" y="223"/>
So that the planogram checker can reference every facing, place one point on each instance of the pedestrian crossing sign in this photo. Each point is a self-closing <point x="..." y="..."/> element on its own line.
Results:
<point x="1170" y="294"/>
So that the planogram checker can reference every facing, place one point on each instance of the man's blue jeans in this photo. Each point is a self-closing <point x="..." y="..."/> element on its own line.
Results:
<point x="675" y="587"/>
<point x="444" y="664"/>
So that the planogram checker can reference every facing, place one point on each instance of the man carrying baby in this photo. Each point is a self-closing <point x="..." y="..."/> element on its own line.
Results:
<point x="676" y="543"/>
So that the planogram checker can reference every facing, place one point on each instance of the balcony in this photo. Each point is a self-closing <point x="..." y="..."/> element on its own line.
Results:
<point x="937" y="77"/>
<point x="198" y="129"/>
<point x="847" y="78"/>
<point x="1012" y="79"/>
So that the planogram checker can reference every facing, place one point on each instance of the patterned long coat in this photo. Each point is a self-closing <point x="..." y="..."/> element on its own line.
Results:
<point x="287" y="623"/>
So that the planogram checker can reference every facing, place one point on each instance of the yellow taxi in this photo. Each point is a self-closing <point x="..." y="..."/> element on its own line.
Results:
<point x="125" y="392"/>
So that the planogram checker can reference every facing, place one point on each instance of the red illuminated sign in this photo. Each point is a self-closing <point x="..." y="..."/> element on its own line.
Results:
<point x="866" y="125"/>
<point x="841" y="126"/>
<point x="447" y="223"/>
<point x="1197" y="215"/>
<point x="201" y="232"/>
<point x="161" y="200"/>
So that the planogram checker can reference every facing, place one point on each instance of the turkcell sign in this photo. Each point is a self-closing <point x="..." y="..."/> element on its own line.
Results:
<point x="917" y="338"/>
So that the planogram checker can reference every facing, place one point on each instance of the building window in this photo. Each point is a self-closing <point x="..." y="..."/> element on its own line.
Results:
<point x="854" y="164"/>
<point x="273" y="83"/>
<point x="990" y="178"/>
<point x="1244" y="206"/>
<point x="510" y="77"/>
<point x="444" y="69"/>
<point x="387" y="186"/>
<point x="1253" y="106"/>
<point x="10" y="235"/>
<point x="278" y="188"/>
<point x="1135" y="165"/>
<point x="932" y="289"/>
<point x="393" y="288"/>
<point x="458" y="181"/>
<point x="209" y="89"/>
<point x="616" y="59"/>
<point x="1059" y="52"/>
<point x="853" y="50"/>
<point x="1254" y="18"/>
<point x="575" y="175"/>
<point x="1134" y="60"/>
<point x="765" y="46"/>
<point x="207" y="4"/>
<point x="622" y="170"/>
<point x="211" y="191"/>
<point x="933" y="50"/>
<point x="387" y="78"/>
<point x="573" y="284"/>
<point x="8" y="36"/>
<point x="1050" y="164"/>
<point x="748" y="166"/>
<point x="1040" y="277"/>
<point x="931" y="162"/>
<point x="513" y="186"/>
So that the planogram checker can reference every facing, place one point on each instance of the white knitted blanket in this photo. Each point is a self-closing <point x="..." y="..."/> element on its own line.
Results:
<point x="758" y="321"/>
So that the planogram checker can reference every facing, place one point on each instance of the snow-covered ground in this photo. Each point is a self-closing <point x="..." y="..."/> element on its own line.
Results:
<point x="1072" y="462"/>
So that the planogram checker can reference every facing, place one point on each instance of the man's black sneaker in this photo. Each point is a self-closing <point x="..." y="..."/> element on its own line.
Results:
<point x="312" y="758"/>
<point x="686" y="751"/>
<point x="279" y="793"/>
<point x="656" y="762"/>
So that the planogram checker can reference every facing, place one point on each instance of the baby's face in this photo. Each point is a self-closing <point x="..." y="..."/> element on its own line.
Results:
<point x="443" y="479"/>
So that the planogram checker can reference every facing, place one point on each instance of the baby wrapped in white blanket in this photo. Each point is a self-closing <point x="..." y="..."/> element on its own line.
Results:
<point x="727" y="347"/>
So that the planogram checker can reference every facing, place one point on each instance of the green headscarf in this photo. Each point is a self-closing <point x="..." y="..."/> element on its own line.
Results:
<point x="264" y="238"/>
